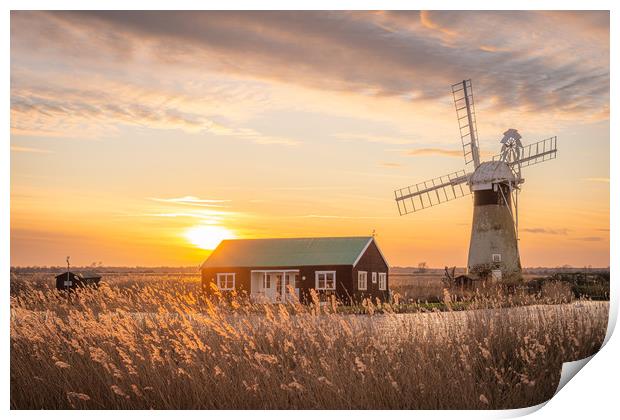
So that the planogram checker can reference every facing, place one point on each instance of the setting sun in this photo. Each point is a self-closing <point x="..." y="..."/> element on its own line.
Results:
<point x="208" y="237"/>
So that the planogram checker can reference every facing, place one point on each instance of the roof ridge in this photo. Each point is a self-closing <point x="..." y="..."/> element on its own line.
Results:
<point x="299" y="237"/>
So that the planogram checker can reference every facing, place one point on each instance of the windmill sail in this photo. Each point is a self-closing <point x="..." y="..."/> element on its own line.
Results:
<point x="432" y="192"/>
<point x="463" y="95"/>
<point x="534" y="153"/>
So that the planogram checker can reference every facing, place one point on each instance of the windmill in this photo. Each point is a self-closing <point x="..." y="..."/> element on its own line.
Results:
<point x="495" y="185"/>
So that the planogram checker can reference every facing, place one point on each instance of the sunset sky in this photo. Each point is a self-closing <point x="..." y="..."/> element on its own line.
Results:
<point x="143" y="138"/>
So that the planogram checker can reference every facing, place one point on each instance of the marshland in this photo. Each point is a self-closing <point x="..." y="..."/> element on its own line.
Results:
<point x="144" y="341"/>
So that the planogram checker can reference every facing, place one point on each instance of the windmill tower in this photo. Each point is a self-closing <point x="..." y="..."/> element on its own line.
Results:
<point x="495" y="185"/>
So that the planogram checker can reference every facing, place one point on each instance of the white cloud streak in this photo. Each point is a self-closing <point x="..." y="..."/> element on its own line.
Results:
<point x="20" y="149"/>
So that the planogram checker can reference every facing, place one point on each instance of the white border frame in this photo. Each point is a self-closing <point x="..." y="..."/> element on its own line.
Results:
<point x="596" y="384"/>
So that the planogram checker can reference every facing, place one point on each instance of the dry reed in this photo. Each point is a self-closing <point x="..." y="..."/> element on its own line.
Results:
<point x="161" y="344"/>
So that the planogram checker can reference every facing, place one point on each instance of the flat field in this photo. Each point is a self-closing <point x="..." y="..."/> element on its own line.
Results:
<point x="154" y="341"/>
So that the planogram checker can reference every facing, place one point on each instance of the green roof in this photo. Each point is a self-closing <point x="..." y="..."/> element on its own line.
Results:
<point x="289" y="252"/>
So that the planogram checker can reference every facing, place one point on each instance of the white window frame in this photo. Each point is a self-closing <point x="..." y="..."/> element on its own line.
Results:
<point x="287" y="281"/>
<point x="266" y="281"/>
<point x="498" y="259"/>
<point x="374" y="277"/>
<point x="382" y="281"/>
<point x="362" y="280"/>
<point x="225" y="276"/>
<point x="316" y="280"/>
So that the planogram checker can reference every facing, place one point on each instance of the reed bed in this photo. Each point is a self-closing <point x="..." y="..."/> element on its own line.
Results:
<point x="160" y="344"/>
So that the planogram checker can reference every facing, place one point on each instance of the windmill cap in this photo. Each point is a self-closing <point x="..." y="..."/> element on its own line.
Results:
<point x="492" y="172"/>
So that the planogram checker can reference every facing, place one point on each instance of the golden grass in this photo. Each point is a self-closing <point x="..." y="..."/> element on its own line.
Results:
<point x="429" y="287"/>
<point x="418" y="287"/>
<point x="161" y="344"/>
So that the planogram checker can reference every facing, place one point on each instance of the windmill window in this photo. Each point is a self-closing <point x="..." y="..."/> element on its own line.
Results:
<point x="362" y="280"/>
<point x="382" y="281"/>
<point x="325" y="280"/>
<point x="497" y="258"/>
<point x="374" y="277"/>
<point x="226" y="281"/>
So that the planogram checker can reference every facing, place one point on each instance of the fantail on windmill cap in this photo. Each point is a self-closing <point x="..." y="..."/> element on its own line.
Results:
<point x="511" y="133"/>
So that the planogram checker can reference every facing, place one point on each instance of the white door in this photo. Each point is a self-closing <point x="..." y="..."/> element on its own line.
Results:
<point x="275" y="286"/>
<point x="290" y="286"/>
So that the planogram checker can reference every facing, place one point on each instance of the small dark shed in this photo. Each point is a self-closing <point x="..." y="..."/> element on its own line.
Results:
<point x="71" y="280"/>
<point x="279" y="270"/>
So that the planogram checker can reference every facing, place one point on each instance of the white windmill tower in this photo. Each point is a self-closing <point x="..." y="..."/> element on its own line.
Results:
<point x="495" y="184"/>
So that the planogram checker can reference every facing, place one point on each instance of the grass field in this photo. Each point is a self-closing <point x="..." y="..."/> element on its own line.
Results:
<point x="153" y="341"/>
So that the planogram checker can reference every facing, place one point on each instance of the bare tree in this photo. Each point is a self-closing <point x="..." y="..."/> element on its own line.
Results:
<point x="422" y="267"/>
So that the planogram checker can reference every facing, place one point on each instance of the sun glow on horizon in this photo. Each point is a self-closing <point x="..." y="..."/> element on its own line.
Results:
<point x="208" y="237"/>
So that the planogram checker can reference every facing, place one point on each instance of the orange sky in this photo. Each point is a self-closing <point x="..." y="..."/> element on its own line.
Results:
<point x="142" y="138"/>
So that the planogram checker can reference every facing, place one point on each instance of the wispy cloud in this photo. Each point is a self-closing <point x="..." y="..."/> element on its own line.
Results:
<point x="390" y="164"/>
<point x="191" y="200"/>
<point x="92" y="111"/>
<point x="252" y="135"/>
<point x="314" y="188"/>
<point x="20" y="149"/>
<point x="597" y="179"/>
<point x="209" y="216"/>
<point x="588" y="238"/>
<point x="434" y="151"/>
<point x="546" y="231"/>
<point x="372" y="138"/>
<point x="407" y="55"/>
<point x="437" y="151"/>
<point x="208" y="210"/>
<point x="334" y="216"/>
